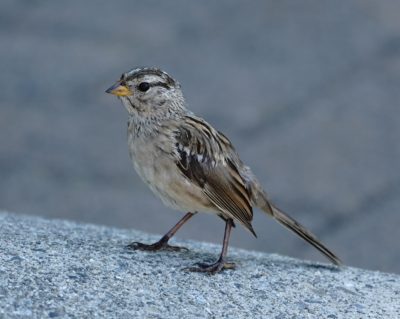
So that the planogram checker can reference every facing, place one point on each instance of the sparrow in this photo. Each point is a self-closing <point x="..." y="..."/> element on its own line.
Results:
<point x="190" y="165"/>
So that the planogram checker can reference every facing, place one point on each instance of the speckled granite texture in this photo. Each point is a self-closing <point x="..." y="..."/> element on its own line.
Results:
<point x="59" y="269"/>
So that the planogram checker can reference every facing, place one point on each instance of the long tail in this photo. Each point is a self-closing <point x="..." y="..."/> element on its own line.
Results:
<point x="299" y="229"/>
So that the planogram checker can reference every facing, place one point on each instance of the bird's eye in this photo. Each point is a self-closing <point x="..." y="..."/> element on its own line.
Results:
<point x="144" y="86"/>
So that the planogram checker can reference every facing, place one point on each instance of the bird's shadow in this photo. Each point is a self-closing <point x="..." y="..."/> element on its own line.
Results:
<point x="194" y="256"/>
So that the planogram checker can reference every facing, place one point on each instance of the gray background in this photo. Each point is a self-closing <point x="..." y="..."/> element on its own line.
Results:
<point x="308" y="91"/>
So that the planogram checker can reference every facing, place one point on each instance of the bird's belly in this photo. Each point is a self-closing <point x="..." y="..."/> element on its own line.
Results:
<point x="163" y="177"/>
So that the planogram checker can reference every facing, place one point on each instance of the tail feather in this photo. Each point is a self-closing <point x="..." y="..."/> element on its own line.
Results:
<point x="300" y="230"/>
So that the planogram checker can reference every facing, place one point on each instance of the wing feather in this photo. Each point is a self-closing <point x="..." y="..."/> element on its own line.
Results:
<point x="208" y="159"/>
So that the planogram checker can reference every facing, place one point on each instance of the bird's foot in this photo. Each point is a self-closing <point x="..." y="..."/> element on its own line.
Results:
<point x="212" y="269"/>
<point x="160" y="245"/>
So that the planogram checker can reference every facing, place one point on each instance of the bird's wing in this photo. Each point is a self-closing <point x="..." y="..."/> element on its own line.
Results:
<point x="208" y="159"/>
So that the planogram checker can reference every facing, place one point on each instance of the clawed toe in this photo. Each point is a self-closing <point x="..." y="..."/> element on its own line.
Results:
<point x="136" y="246"/>
<point x="211" y="269"/>
<point x="174" y="248"/>
<point x="140" y="246"/>
<point x="155" y="247"/>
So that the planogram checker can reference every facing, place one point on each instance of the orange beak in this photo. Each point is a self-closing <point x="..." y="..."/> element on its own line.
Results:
<point x="119" y="90"/>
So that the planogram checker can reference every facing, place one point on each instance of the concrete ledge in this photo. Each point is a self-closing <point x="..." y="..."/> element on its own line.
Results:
<point x="52" y="269"/>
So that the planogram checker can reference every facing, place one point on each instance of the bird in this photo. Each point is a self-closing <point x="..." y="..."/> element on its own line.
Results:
<point x="191" y="166"/>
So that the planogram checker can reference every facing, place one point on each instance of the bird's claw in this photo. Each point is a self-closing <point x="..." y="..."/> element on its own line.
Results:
<point x="155" y="247"/>
<point x="211" y="269"/>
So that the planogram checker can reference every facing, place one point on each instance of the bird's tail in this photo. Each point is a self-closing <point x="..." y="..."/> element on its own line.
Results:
<point x="299" y="229"/>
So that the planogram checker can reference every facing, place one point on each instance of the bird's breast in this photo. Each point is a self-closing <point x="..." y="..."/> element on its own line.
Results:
<point x="152" y="160"/>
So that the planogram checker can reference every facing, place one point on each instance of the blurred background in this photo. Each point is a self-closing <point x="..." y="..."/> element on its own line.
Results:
<point x="308" y="91"/>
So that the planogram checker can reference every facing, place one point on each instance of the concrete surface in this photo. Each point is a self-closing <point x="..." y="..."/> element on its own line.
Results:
<point x="307" y="90"/>
<point x="60" y="269"/>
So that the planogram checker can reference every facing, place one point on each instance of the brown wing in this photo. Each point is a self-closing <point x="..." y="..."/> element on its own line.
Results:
<point x="208" y="159"/>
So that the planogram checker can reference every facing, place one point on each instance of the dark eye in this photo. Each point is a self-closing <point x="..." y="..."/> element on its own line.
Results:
<point x="144" y="86"/>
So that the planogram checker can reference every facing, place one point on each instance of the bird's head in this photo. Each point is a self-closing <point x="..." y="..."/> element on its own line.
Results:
<point x="149" y="93"/>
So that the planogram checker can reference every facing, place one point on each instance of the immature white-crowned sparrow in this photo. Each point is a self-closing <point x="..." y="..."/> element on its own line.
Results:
<point x="190" y="165"/>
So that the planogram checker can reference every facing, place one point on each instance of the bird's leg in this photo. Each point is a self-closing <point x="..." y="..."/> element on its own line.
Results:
<point x="220" y="264"/>
<point x="162" y="244"/>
